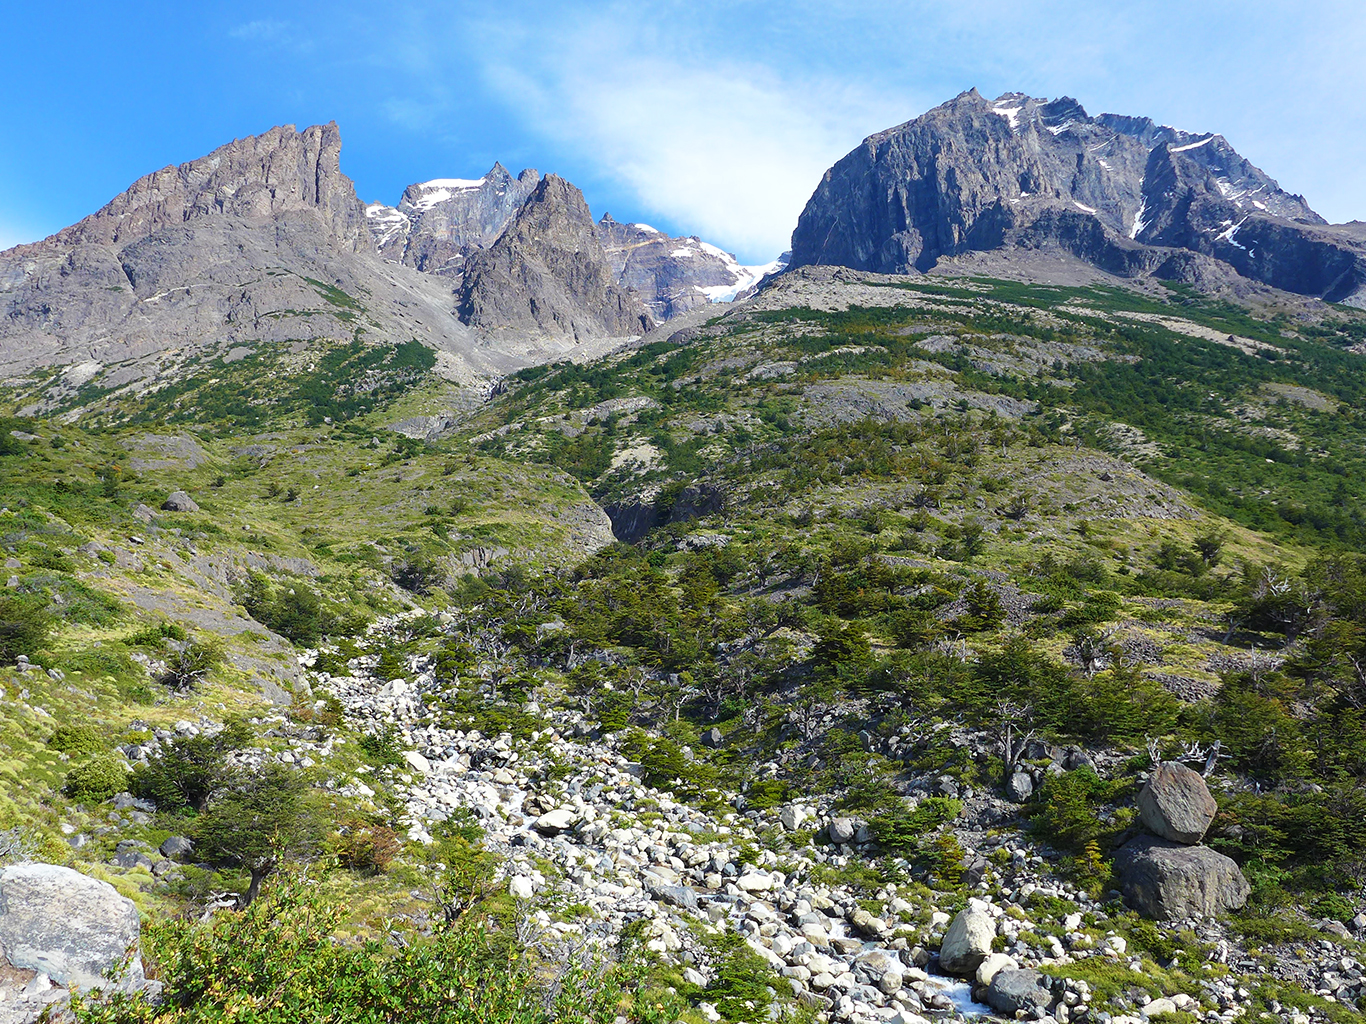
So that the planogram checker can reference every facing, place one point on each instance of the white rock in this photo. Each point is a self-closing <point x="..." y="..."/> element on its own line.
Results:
<point x="754" y="881"/>
<point x="519" y="886"/>
<point x="967" y="942"/>
<point x="556" y="821"/>
<point x="994" y="963"/>
<point x="418" y="762"/>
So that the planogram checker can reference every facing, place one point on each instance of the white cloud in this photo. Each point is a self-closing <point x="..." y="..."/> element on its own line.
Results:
<point x="731" y="150"/>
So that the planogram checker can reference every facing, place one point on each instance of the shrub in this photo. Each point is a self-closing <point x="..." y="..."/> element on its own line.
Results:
<point x="366" y="847"/>
<point x="76" y="739"/>
<point x="96" y="780"/>
<point x="24" y="629"/>
<point x="187" y="667"/>
<point x="901" y="829"/>
<point x="189" y="770"/>
<point x="1065" y="809"/>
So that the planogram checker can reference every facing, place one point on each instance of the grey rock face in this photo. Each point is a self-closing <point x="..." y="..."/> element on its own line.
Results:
<point x="548" y="273"/>
<point x="1013" y="990"/>
<point x="1131" y="197"/>
<point x="1176" y="804"/>
<point x="1019" y="787"/>
<point x="176" y="846"/>
<point x="66" y="925"/>
<point x="1167" y="881"/>
<point x="673" y="275"/>
<point x="438" y="224"/>
<point x="967" y="942"/>
<point x="179" y="501"/>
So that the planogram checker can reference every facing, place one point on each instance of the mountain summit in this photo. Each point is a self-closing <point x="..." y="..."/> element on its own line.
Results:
<point x="1124" y="194"/>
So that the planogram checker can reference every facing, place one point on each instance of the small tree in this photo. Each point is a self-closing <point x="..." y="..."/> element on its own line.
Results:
<point x="258" y="822"/>
<point x="189" y="771"/>
<point x="187" y="667"/>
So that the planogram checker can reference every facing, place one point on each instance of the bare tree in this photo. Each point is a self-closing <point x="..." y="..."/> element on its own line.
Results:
<point x="1012" y="731"/>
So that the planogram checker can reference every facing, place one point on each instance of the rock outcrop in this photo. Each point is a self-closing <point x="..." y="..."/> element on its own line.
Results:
<point x="1130" y="197"/>
<point x="547" y="273"/>
<point x="1168" y="881"/>
<point x="1176" y="804"/>
<point x="72" y="930"/>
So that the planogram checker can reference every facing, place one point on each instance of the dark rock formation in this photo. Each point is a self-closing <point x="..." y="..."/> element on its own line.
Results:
<point x="1176" y="804"/>
<point x="548" y="273"/>
<point x="1168" y="881"/>
<point x="1131" y="197"/>
<point x="1013" y="990"/>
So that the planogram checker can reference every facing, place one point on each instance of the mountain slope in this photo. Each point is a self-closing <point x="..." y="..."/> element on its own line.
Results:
<point x="1132" y="198"/>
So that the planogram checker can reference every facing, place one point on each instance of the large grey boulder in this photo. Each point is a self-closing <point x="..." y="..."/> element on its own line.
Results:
<point x="1168" y="881"/>
<point x="967" y="942"/>
<point x="1020" y="787"/>
<point x="1176" y="804"/>
<point x="68" y="926"/>
<point x="1012" y="990"/>
<point x="179" y="501"/>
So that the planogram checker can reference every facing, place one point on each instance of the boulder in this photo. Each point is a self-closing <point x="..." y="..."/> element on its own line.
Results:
<point x="179" y="501"/>
<point x="680" y="896"/>
<point x="793" y="816"/>
<point x="554" y="822"/>
<point x="967" y="943"/>
<point x="520" y="887"/>
<point x="867" y="925"/>
<point x="1020" y="787"/>
<point x="71" y="927"/>
<point x="1012" y="990"/>
<point x="1176" y="804"/>
<point x="417" y="762"/>
<point x="1166" y="880"/>
<point x="841" y="830"/>
<point x="989" y="967"/>
<point x="755" y="881"/>
<point x="712" y="738"/>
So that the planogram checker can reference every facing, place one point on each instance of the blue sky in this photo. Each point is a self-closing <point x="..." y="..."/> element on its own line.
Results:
<point x="714" y="118"/>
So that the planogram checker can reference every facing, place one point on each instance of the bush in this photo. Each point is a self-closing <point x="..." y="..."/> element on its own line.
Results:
<point x="76" y="739"/>
<point x="1065" y="809"/>
<point x="24" y="629"/>
<point x="189" y="770"/>
<point x="96" y="780"/>
<point x="279" y="961"/>
<point x="366" y="847"/>
<point x="187" y="667"/>
<point x="901" y="829"/>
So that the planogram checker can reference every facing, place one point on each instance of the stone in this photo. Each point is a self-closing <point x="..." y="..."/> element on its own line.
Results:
<point x="680" y="896"/>
<point x="1012" y="990"/>
<point x="792" y="816"/>
<point x="1157" y="1007"/>
<point x="1020" y="787"/>
<point x="987" y="969"/>
<point x="176" y="847"/>
<point x="712" y="738"/>
<point x="68" y="926"/>
<point x="179" y="501"/>
<point x="866" y="924"/>
<point x="520" y="887"/>
<point x="556" y="821"/>
<point x="755" y="881"/>
<point x="1166" y="880"/>
<point x="417" y="761"/>
<point x="841" y="830"/>
<point x="1176" y="804"/>
<point x="967" y="942"/>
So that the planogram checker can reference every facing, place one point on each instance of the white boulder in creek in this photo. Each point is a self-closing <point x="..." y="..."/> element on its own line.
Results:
<point x="556" y="821"/>
<point x="967" y="942"/>
<point x="67" y="925"/>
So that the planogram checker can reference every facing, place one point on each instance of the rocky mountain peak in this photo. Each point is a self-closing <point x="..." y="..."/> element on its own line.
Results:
<point x="1121" y="192"/>
<point x="548" y="272"/>
<point x="279" y="172"/>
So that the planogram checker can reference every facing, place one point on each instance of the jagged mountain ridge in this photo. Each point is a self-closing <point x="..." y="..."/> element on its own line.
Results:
<point x="265" y="241"/>
<point x="1122" y="193"/>
<point x="438" y="225"/>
